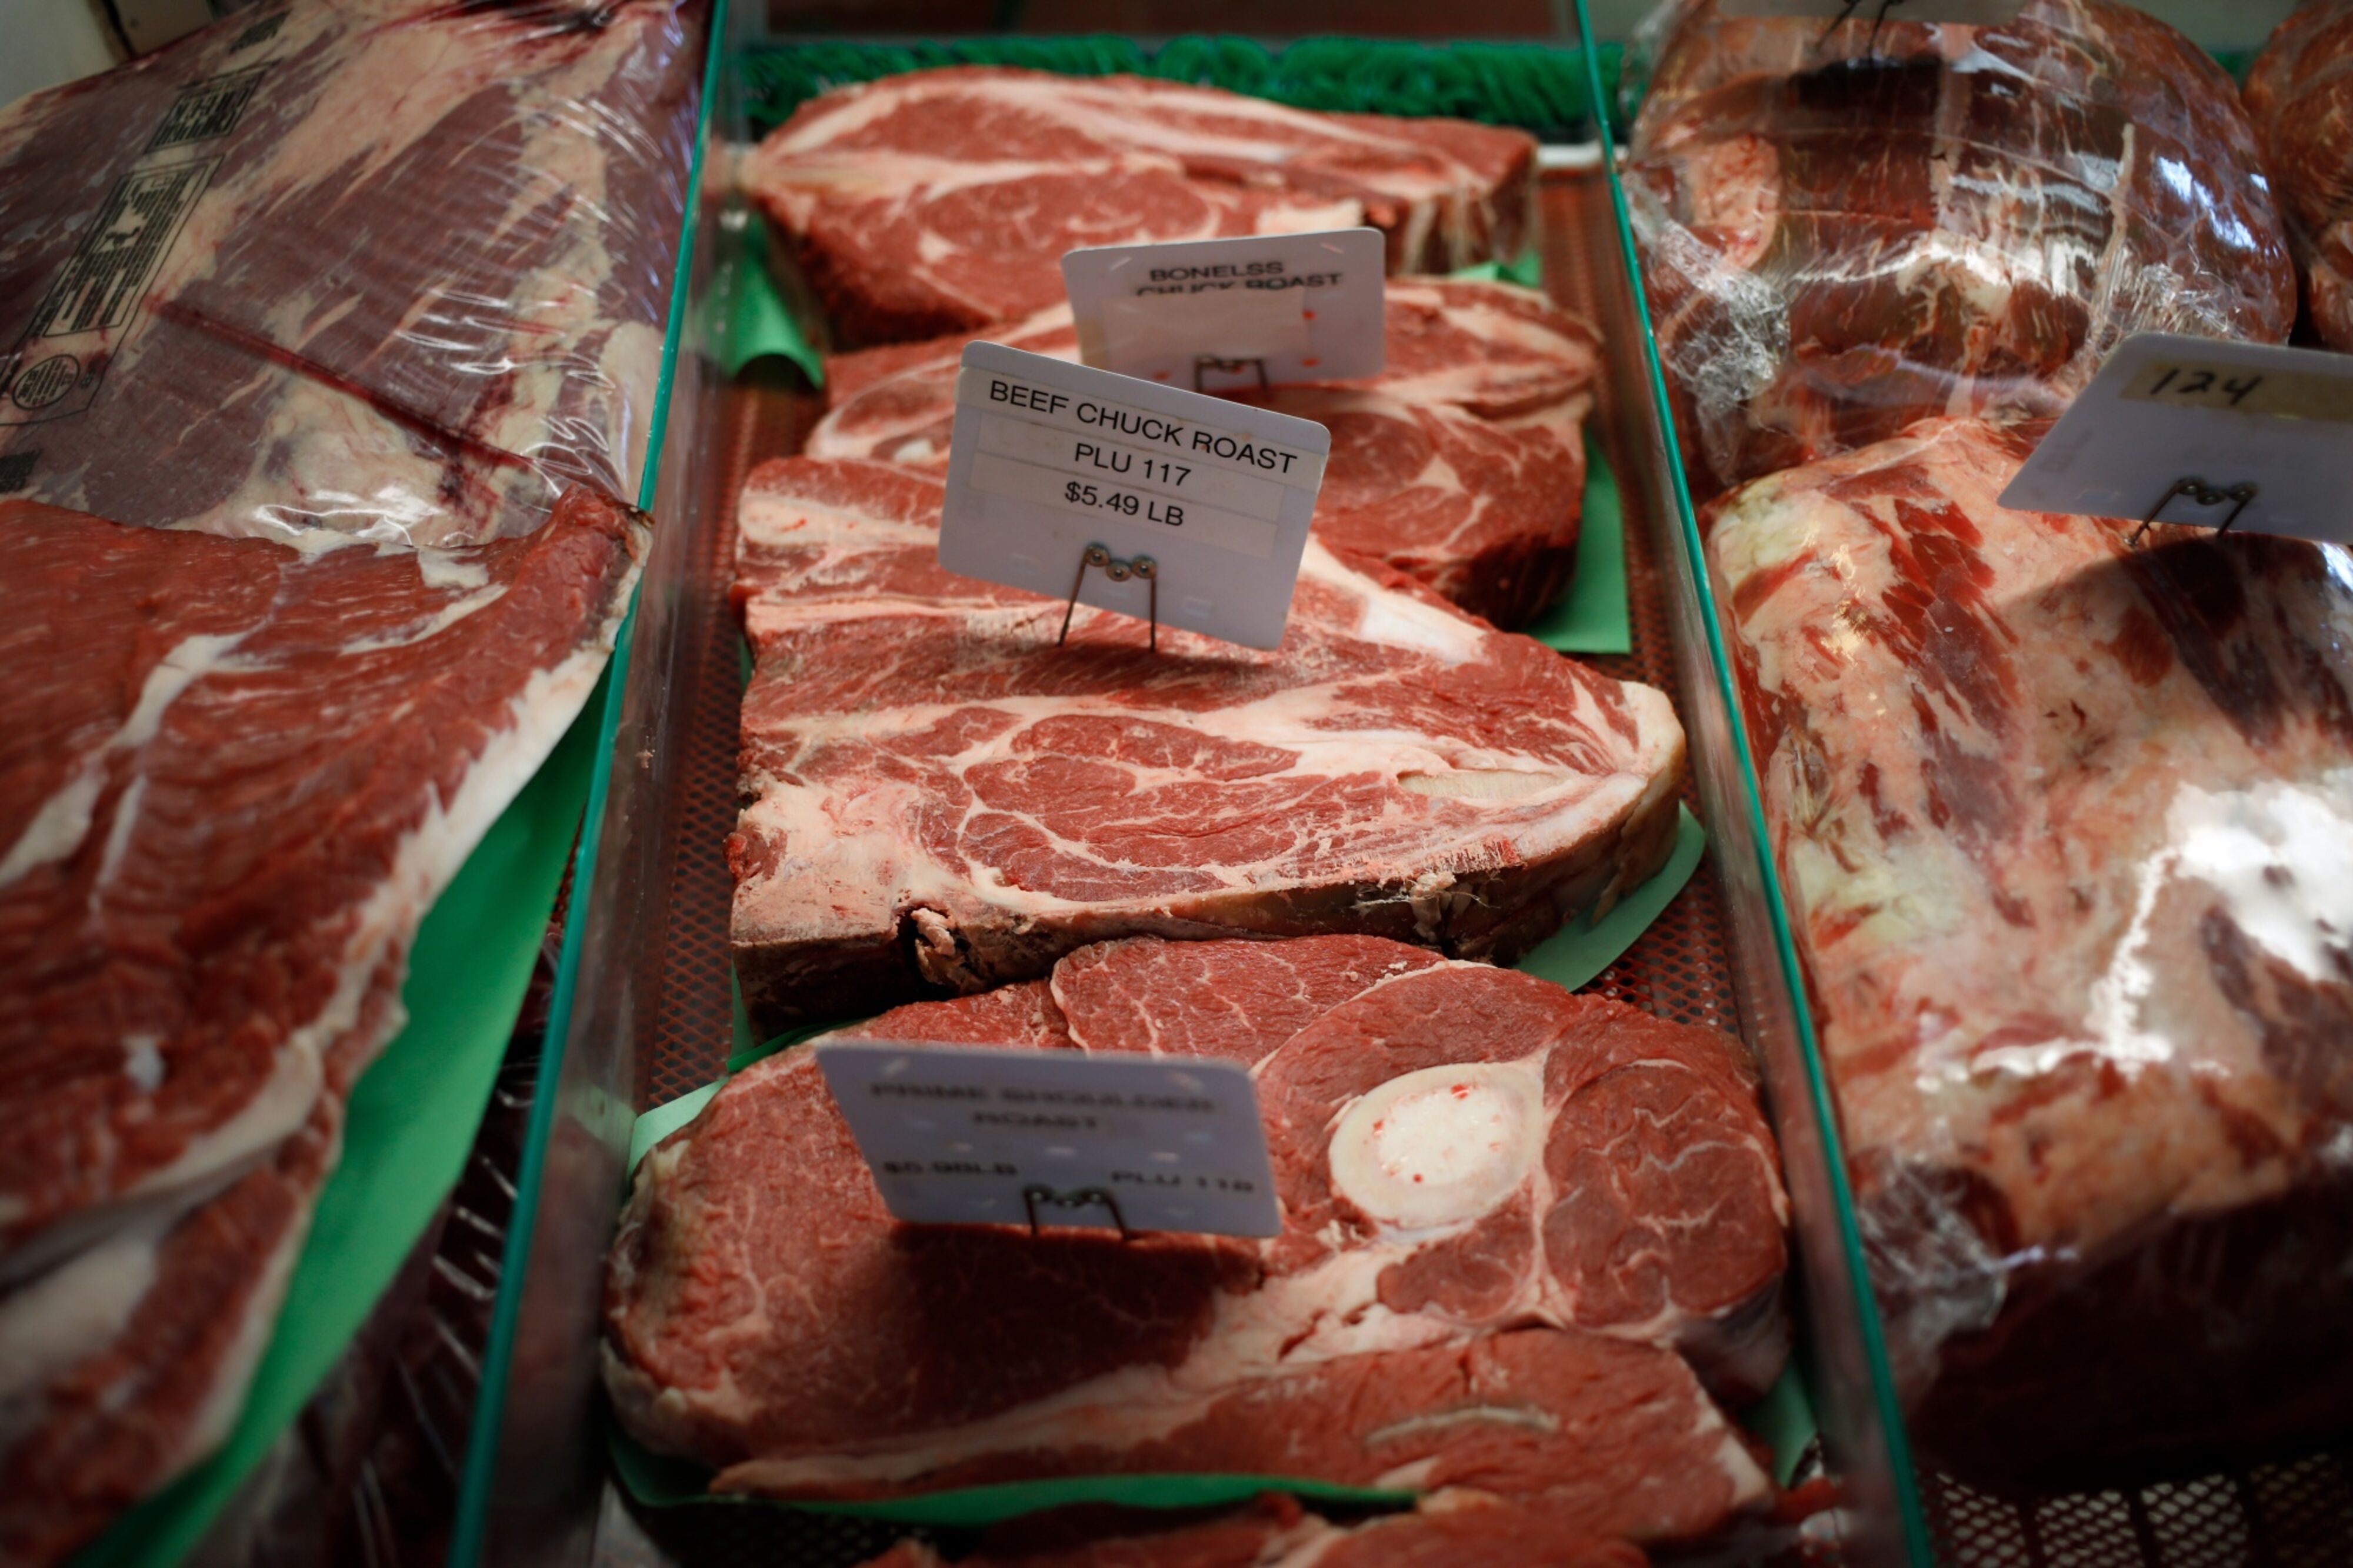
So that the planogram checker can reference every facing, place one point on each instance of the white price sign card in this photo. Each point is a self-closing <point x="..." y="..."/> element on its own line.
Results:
<point x="972" y="1135"/>
<point x="1048" y="457"/>
<point x="2166" y="410"/>
<point x="1229" y="315"/>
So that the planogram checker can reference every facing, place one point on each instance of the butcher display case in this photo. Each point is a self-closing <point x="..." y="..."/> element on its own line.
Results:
<point x="644" y="1011"/>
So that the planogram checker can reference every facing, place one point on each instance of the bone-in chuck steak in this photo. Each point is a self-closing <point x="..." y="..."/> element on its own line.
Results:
<point x="940" y="201"/>
<point x="939" y="797"/>
<point x="1516" y="1222"/>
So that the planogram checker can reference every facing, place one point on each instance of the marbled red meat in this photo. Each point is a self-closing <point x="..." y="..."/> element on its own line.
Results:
<point x="2300" y="96"/>
<point x="1505" y="1320"/>
<point x="2066" y="827"/>
<point x="1843" y="234"/>
<point x="233" y="777"/>
<point x="1461" y="464"/>
<point x="941" y="797"/>
<point x="940" y="201"/>
<point x="383" y="282"/>
<point x="385" y="267"/>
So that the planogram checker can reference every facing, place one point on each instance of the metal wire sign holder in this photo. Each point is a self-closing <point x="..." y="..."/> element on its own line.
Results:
<point x="1118" y="570"/>
<point x="2203" y="494"/>
<point x="1203" y="362"/>
<point x="1083" y="1197"/>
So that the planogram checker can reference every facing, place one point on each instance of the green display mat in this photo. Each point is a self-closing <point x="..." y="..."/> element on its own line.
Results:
<point x="411" y="1120"/>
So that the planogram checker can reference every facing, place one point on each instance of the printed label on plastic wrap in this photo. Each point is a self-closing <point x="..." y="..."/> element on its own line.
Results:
<point x="1145" y="499"/>
<point x="1232" y="315"/>
<point x="2206" y="432"/>
<point x="92" y="302"/>
<point x="972" y="1135"/>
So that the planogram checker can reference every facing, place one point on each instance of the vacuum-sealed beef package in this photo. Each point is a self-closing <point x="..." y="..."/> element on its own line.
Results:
<point x="1846" y="229"/>
<point x="385" y="267"/>
<point x="2065" y="826"/>
<point x="2300" y="96"/>
<point x="329" y="338"/>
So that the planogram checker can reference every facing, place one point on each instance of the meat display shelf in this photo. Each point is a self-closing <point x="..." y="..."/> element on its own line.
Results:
<point x="651" y="1015"/>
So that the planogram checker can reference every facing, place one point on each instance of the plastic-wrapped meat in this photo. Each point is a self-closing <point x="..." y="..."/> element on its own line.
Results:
<point x="383" y="283"/>
<point x="1521" y="1229"/>
<point x="1915" y="219"/>
<point x="939" y="201"/>
<point x="234" y="775"/>
<point x="2300" y="96"/>
<point x="1461" y="464"/>
<point x="247" y="287"/>
<point x="2067" y="830"/>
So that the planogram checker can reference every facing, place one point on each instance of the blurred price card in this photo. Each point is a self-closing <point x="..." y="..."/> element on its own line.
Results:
<point x="978" y="1135"/>
<point x="2204" y="431"/>
<point x="1145" y="499"/>
<point x="1233" y="315"/>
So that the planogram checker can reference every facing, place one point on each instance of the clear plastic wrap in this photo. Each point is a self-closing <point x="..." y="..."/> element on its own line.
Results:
<point x="2066" y="828"/>
<point x="2300" y="96"/>
<point x="360" y="269"/>
<point x="368" y="1472"/>
<point x="396" y="268"/>
<point x="1846" y="228"/>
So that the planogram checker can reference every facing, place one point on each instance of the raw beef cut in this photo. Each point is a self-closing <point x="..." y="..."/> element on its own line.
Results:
<point x="383" y="282"/>
<point x="1463" y="465"/>
<point x="940" y="201"/>
<point x="940" y="796"/>
<point x="1503" y="1206"/>
<point x="253" y="286"/>
<point x="1842" y="235"/>
<point x="2300" y="96"/>
<point x="233" y="776"/>
<point x="1447" y="1529"/>
<point x="2067" y="829"/>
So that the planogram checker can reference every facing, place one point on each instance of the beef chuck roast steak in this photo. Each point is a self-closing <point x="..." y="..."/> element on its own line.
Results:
<point x="938" y="796"/>
<point x="939" y="201"/>
<point x="1461" y="464"/>
<point x="1504" y="1207"/>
